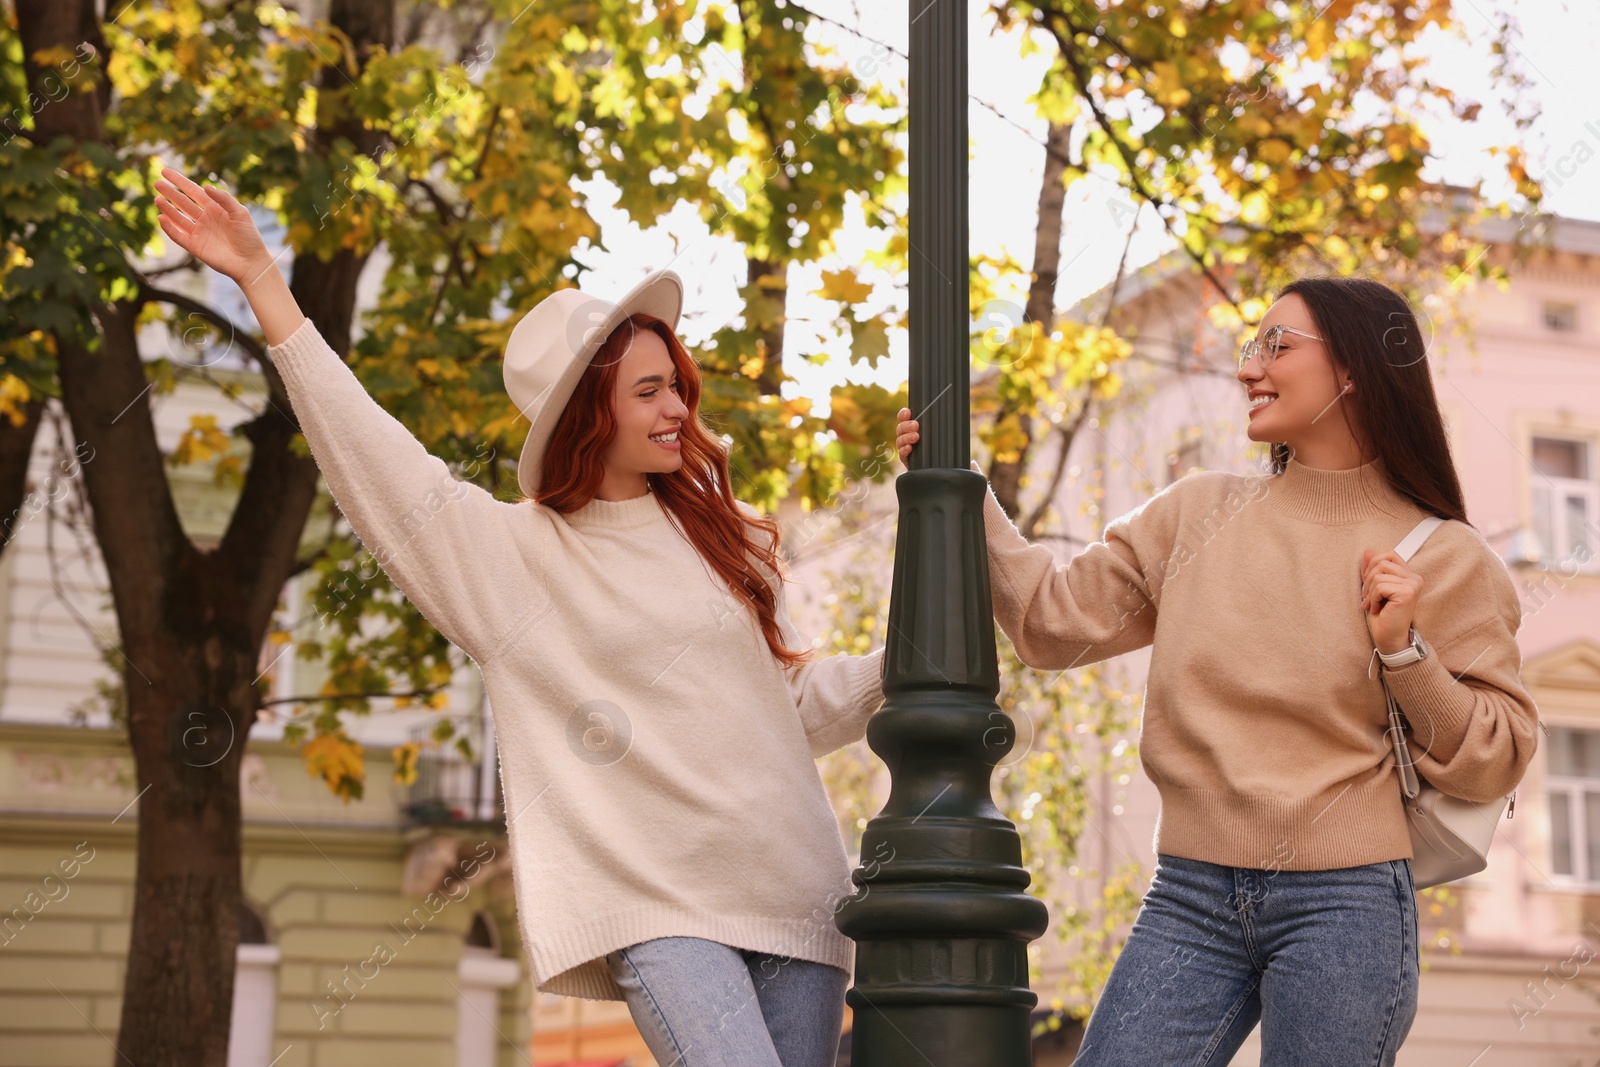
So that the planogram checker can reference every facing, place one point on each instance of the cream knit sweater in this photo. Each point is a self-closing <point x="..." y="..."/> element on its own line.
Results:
<point x="1263" y="728"/>
<point x="657" y="762"/>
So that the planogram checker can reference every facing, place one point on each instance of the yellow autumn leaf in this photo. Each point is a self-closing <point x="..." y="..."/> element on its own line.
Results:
<point x="1168" y="85"/>
<point x="547" y="27"/>
<point x="1254" y="208"/>
<point x="1274" y="150"/>
<point x="844" y="410"/>
<point x="563" y="86"/>
<point x="228" y="471"/>
<point x="405" y="762"/>
<point x="844" y="286"/>
<point x="1319" y="35"/>
<point x="200" y="441"/>
<point x="338" y="761"/>
<point x="14" y="392"/>
<point x="54" y="56"/>
<point x="495" y="427"/>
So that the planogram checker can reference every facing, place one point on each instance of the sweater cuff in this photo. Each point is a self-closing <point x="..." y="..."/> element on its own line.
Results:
<point x="1429" y="696"/>
<point x="870" y="692"/>
<point x="297" y="352"/>
<point x="996" y="524"/>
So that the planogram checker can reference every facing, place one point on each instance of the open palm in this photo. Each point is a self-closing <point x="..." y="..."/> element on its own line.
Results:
<point x="209" y="224"/>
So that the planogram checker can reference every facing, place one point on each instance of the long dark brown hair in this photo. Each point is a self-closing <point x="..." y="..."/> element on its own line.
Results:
<point x="1372" y="332"/>
<point x="697" y="495"/>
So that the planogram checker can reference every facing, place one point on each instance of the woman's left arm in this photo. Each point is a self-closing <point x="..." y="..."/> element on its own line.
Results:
<point x="1474" y="726"/>
<point x="835" y="695"/>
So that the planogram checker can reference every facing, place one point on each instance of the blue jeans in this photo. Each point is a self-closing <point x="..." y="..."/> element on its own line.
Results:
<point x="1325" y="960"/>
<point x="701" y="1004"/>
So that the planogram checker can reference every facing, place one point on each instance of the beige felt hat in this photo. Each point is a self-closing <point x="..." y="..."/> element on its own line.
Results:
<point x="554" y="342"/>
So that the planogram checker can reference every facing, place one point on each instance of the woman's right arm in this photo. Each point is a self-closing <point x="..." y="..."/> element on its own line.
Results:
<point x="447" y="543"/>
<point x="1096" y="606"/>
<point x="1063" y="615"/>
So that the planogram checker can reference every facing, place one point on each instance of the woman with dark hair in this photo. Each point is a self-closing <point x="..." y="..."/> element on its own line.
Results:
<point x="656" y="714"/>
<point x="1283" y="890"/>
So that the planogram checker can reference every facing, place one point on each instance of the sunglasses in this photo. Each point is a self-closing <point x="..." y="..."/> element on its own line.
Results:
<point x="1265" y="349"/>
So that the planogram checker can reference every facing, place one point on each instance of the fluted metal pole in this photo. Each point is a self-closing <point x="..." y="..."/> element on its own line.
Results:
<point x="937" y="229"/>
<point x="940" y="918"/>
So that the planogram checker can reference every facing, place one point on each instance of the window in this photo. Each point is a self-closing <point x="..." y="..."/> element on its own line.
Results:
<point x="1575" y="803"/>
<point x="1565" y="500"/>
<point x="1561" y="317"/>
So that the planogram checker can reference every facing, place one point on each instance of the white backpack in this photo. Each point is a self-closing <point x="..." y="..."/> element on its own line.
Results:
<point x="1450" y="837"/>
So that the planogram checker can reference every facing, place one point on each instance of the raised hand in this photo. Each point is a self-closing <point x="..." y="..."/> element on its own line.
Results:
<point x="212" y="226"/>
<point x="907" y="433"/>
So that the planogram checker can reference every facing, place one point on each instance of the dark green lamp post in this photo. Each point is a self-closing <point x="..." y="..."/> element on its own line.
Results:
<point x="941" y="919"/>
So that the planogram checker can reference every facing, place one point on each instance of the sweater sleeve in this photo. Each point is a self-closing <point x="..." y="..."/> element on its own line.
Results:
<point x="835" y="695"/>
<point x="1098" y="605"/>
<point x="447" y="544"/>
<point x="1474" y="727"/>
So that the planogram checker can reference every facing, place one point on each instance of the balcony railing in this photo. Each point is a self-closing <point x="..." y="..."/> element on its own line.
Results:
<point x="451" y="789"/>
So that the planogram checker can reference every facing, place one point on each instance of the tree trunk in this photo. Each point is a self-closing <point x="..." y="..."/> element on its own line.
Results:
<point x="16" y="448"/>
<point x="187" y="673"/>
<point x="766" y="310"/>
<point x="1041" y="310"/>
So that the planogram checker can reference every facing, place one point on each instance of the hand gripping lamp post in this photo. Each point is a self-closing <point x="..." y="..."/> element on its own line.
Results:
<point x="940" y="917"/>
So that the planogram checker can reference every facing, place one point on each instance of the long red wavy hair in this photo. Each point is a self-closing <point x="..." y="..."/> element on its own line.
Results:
<point x="697" y="496"/>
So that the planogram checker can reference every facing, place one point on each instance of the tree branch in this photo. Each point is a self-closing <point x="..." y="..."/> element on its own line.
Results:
<point x="1068" y="434"/>
<point x="1081" y="80"/>
<point x="453" y="267"/>
<point x="150" y="294"/>
<point x="447" y="212"/>
<point x="351" y="696"/>
<point x="188" y="262"/>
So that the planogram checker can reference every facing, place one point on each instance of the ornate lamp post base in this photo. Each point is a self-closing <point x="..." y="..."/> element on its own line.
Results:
<point x="941" y="920"/>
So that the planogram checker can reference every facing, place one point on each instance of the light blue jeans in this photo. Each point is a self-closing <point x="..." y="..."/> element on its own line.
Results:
<point x="698" y="1003"/>
<point x="1325" y="960"/>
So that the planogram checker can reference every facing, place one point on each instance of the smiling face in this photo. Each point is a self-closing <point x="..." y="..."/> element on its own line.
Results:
<point x="649" y="409"/>
<point x="1297" y="400"/>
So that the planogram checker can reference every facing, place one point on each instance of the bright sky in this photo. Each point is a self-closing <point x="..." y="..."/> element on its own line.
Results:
<point x="1556" y="51"/>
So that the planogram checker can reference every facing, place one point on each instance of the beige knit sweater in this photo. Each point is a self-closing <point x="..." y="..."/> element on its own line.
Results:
<point x="1263" y="729"/>
<point x="657" y="762"/>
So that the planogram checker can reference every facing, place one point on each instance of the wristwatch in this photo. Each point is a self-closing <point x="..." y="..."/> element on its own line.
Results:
<point x="1417" y="650"/>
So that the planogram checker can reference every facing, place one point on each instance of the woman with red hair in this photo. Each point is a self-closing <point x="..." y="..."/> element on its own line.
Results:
<point x="657" y="715"/>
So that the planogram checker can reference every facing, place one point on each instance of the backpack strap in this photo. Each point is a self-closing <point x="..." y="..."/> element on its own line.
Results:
<point x="1409" y="785"/>
<point x="1419" y="534"/>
